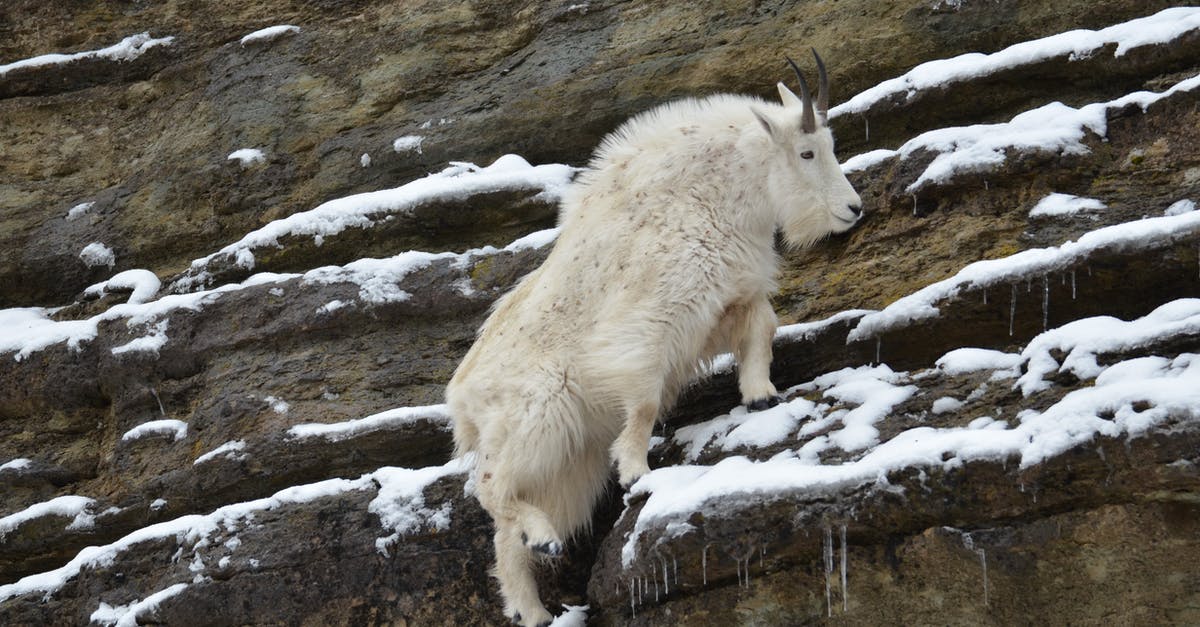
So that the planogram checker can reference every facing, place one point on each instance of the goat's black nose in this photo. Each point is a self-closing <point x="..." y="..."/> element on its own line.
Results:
<point x="855" y="209"/>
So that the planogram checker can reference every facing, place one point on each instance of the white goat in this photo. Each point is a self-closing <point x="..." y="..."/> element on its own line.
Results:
<point x="666" y="258"/>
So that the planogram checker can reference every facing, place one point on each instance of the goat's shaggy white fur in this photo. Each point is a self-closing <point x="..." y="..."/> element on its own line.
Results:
<point x="666" y="257"/>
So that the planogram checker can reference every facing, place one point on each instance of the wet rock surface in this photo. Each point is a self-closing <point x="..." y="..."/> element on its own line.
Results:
<point x="1102" y="532"/>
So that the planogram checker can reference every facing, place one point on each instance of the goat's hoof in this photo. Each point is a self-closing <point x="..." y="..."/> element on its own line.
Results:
<point x="515" y="618"/>
<point x="762" y="403"/>
<point x="549" y="549"/>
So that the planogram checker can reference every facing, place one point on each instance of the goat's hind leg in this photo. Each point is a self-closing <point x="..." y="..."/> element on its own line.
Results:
<point x="515" y="574"/>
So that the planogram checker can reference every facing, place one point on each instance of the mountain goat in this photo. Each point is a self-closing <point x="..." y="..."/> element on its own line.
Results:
<point x="665" y="258"/>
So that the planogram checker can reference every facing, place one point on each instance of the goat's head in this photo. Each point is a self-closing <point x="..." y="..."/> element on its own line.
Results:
<point x="805" y="181"/>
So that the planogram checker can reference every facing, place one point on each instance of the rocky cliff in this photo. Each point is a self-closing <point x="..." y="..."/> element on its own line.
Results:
<point x="231" y="313"/>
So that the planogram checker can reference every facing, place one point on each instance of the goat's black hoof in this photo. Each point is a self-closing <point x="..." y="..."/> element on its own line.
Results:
<point x="549" y="549"/>
<point x="762" y="403"/>
<point x="515" y="618"/>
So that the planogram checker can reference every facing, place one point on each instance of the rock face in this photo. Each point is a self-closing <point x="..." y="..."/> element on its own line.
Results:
<point x="259" y="439"/>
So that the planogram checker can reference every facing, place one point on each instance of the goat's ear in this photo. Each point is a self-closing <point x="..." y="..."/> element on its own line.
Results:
<point x="764" y="121"/>
<point x="788" y="99"/>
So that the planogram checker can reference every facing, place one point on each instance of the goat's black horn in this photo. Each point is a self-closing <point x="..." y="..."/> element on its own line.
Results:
<point x="808" y="121"/>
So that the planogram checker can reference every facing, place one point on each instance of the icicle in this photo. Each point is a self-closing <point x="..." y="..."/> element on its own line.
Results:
<point x="1072" y="285"/>
<point x="675" y="564"/>
<point x="666" y="581"/>
<point x="655" y="577"/>
<point x="632" y="599"/>
<point x="878" y="347"/>
<point x="985" y="185"/>
<point x="983" y="563"/>
<point x="704" y="564"/>
<point x="1045" y="302"/>
<point x="161" y="410"/>
<point x="738" y="565"/>
<point x="969" y="544"/>
<point x="1012" y="310"/>
<point x="845" y="593"/>
<point x="762" y="555"/>
<point x="828" y="551"/>
<point x="867" y="129"/>
<point x="914" y="204"/>
<point x="985" y="295"/>
<point x="1028" y="285"/>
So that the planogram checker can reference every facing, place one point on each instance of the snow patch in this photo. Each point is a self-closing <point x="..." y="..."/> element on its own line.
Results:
<point x="177" y="429"/>
<point x="1160" y="28"/>
<point x="97" y="254"/>
<point x="269" y="33"/>
<point x="1064" y="204"/>
<point x="79" y="211"/>
<point x="408" y="143"/>
<point x="232" y="449"/>
<point x="74" y="507"/>
<point x="146" y="344"/>
<point x="460" y="180"/>
<point x="390" y="419"/>
<point x="127" y="49"/>
<point x="247" y="156"/>
<point x="142" y="284"/>
<point x="966" y="360"/>
<point x="1128" y="236"/>
<point x="1180" y="207"/>
<point x="20" y="463"/>
<point x="400" y="503"/>
<point x="127" y="615"/>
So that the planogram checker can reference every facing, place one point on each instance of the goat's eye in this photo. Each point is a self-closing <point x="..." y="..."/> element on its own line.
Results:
<point x="807" y="154"/>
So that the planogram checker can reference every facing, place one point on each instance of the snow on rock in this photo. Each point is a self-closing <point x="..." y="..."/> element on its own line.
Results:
<point x="127" y="49"/>
<point x="247" y="156"/>
<point x="377" y="278"/>
<point x="269" y="33"/>
<point x="964" y="360"/>
<point x="1053" y="128"/>
<point x="177" y="429"/>
<point x="97" y="254"/>
<point x="575" y="615"/>
<point x="20" y="463"/>
<point x="147" y="343"/>
<point x="127" y="615"/>
<point x="25" y="330"/>
<point x="278" y="405"/>
<point x="143" y="285"/>
<point x="330" y="307"/>
<point x="1083" y="340"/>
<point x="1180" y="207"/>
<point x="458" y="181"/>
<point x="389" y="419"/>
<point x="400" y="503"/>
<point x="232" y="449"/>
<point x="1162" y="27"/>
<point x="79" y="210"/>
<point x="741" y="427"/>
<point x="921" y="305"/>
<point x="198" y="530"/>
<point x="946" y="404"/>
<point x="408" y="143"/>
<point x="1129" y="399"/>
<point x="365" y="160"/>
<point x="1064" y="204"/>
<point x="74" y="507"/>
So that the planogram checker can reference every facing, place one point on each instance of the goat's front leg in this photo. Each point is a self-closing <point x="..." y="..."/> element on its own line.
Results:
<point x="752" y="330"/>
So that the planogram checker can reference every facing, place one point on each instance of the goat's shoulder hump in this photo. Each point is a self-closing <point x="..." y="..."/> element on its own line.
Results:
<point x="709" y="114"/>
